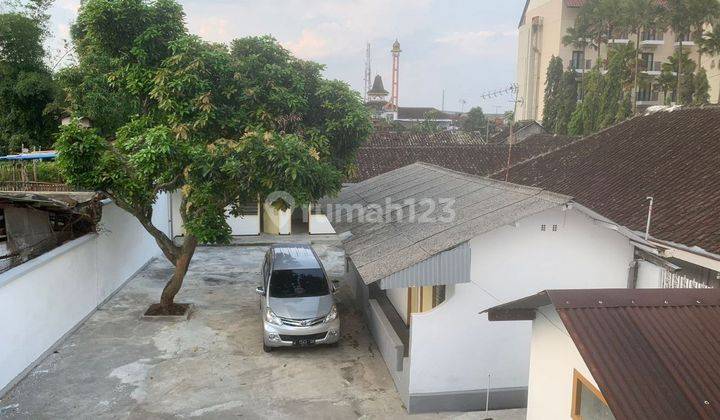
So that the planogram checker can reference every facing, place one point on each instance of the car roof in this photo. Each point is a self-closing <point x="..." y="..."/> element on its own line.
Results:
<point x="293" y="256"/>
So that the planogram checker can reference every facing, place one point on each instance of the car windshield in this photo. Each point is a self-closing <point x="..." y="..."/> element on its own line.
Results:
<point x="298" y="283"/>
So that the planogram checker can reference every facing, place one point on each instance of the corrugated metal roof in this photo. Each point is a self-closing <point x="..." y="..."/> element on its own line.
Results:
<point x="393" y="241"/>
<point x="448" y="267"/>
<point x="653" y="352"/>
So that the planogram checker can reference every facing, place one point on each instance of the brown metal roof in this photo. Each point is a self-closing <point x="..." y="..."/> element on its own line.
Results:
<point x="653" y="352"/>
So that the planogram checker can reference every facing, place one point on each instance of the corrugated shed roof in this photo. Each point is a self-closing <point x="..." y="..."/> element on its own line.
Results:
<point x="652" y="352"/>
<point x="671" y="156"/>
<point x="390" y="239"/>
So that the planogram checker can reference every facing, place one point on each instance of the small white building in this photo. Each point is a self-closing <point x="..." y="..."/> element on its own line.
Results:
<point x="447" y="244"/>
<point x="625" y="354"/>
<point x="257" y="218"/>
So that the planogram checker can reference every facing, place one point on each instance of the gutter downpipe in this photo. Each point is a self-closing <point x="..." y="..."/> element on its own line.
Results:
<point x="649" y="217"/>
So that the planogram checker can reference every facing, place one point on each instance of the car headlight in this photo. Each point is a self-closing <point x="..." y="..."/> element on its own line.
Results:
<point x="271" y="317"/>
<point x="332" y="315"/>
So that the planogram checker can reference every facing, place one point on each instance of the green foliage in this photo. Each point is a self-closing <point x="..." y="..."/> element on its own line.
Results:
<point x="225" y="126"/>
<point x="27" y="89"/>
<point x="701" y="91"/>
<point x="475" y="120"/>
<point x="668" y="79"/>
<point x="566" y="103"/>
<point x="587" y="117"/>
<point x="46" y="172"/>
<point x="553" y="89"/>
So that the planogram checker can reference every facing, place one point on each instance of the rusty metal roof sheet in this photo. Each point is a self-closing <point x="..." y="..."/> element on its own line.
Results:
<point x="653" y="352"/>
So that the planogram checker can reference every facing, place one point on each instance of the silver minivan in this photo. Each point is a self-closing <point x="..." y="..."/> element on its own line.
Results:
<point x="297" y="299"/>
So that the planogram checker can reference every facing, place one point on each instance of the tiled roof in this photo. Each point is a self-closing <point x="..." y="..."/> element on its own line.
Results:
<point x="574" y="3"/>
<point x="395" y="239"/>
<point x="465" y="153"/>
<point x="671" y="156"/>
<point x="420" y="113"/>
<point x="652" y="352"/>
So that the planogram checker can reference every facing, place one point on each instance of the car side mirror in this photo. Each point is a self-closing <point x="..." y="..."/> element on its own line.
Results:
<point x="260" y="290"/>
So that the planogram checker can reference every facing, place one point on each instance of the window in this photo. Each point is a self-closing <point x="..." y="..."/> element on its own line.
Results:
<point x="578" y="59"/>
<point x="555" y="228"/>
<point x="438" y="295"/>
<point x="543" y="228"/>
<point x="648" y="61"/>
<point x="298" y="283"/>
<point x="587" y="401"/>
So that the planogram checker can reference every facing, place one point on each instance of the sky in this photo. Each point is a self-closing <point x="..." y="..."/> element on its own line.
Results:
<point x="466" y="47"/>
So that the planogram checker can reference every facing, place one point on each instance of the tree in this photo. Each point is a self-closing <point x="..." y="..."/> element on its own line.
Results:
<point x="27" y="88"/>
<point x="701" y="94"/>
<point x="578" y="36"/>
<point x="636" y="16"/>
<point x="677" y="17"/>
<point x="701" y="13"/>
<point x="618" y="82"/>
<point x="552" y="92"/>
<point x="222" y="128"/>
<point x="709" y="43"/>
<point x="586" y="117"/>
<point x="678" y="67"/>
<point x="567" y="102"/>
<point x="475" y="120"/>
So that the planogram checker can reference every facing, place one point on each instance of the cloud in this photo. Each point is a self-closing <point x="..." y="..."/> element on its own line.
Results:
<point x="69" y="5"/>
<point x="310" y="45"/>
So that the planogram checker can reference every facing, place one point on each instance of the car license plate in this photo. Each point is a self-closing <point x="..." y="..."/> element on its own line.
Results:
<point x="305" y="342"/>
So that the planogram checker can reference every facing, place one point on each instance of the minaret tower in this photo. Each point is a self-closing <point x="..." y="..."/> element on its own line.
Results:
<point x="395" y="75"/>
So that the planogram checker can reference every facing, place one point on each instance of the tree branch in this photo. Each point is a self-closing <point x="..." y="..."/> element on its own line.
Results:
<point x="166" y="244"/>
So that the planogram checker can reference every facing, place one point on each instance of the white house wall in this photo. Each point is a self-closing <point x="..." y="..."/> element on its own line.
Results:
<point x="649" y="275"/>
<point x="553" y="359"/>
<point x="399" y="299"/>
<point x="453" y="348"/>
<point x="239" y="225"/>
<point x="45" y="298"/>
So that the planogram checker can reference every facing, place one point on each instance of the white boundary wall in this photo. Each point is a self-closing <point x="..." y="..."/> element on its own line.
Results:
<point x="46" y="298"/>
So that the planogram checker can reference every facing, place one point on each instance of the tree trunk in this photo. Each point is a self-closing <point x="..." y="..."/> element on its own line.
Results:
<point x="637" y="70"/>
<point x="678" y="93"/>
<point x="181" y="267"/>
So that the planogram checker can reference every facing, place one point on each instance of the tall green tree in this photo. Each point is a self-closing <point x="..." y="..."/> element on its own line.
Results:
<point x="586" y="117"/>
<point x="567" y="102"/>
<point x="578" y="36"/>
<point x="701" y="92"/>
<point x="710" y="42"/>
<point x="677" y="16"/>
<point x="222" y="127"/>
<point x="27" y="89"/>
<point x="680" y="67"/>
<point x="701" y="13"/>
<point x="553" y="80"/>
<point x="637" y="16"/>
<point x="475" y="120"/>
<point x="618" y="84"/>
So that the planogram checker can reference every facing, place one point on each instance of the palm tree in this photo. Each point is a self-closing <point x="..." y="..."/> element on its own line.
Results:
<point x="638" y="15"/>
<point x="676" y="16"/>
<point x="578" y="37"/>
<point x="702" y="13"/>
<point x="709" y="43"/>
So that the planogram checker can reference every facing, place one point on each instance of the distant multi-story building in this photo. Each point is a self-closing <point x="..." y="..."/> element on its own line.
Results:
<point x="543" y="25"/>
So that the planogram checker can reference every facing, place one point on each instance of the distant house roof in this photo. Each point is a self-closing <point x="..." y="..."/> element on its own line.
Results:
<point x="386" y="151"/>
<point x="421" y="113"/>
<point x="652" y="352"/>
<point x="671" y="156"/>
<point x="518" y="128"/>
<point x="382" y="246"/>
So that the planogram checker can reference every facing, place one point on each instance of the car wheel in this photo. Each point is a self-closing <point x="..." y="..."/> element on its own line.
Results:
<point x="266" y="348"/>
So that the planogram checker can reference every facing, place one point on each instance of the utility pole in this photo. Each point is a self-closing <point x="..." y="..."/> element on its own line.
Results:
<point x="443" y="101"/>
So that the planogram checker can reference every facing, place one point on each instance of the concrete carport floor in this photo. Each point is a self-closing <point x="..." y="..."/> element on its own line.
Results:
<point x="211" y="366"/>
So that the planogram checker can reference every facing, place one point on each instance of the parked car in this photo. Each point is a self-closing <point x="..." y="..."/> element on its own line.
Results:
<point x="297" y="299"/>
